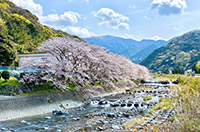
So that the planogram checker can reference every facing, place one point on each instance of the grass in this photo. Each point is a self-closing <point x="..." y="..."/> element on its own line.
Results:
<point x="134" y="122"/>
<point x="187" y="102"/>
<point x="71" y="86"/>
<point x="164" y="104"/>
<point x="166" y="77"/>
<point x="11" y="82"/>
<point x="147" y="98"/>
<point x="41" y="89"/>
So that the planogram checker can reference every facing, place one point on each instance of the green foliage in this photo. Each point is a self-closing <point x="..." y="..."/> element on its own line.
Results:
<point x="20" y="32"/>
<point x="3" y="4"/>
<point x="41" y="89"/>
<point x="11" y="82"/>
<point x="164" y="103"/>
<point x="20" y="18"/>
<point x="71" y="85"/>
<point x="196" y="67"/>
<point x="165" y="71"/>
<point x="62" y="106"/>
<point x="180" y="53"/>
<point x="49" y="100"/>
<point x="0" y="75"/>
<point x="178" y="71"/>
<point x="147" y="98"/>
<point x="60" y="34"/>
<point x="48" y="32"/>
<point x="187" y="102"/>
<point x="5" y="75"/>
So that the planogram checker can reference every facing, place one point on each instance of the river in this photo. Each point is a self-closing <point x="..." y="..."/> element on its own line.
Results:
<point x="106" y="114"/>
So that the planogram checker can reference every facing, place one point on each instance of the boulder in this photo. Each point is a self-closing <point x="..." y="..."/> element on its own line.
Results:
<point x="104" y="122"/>
<point x="129" y="105"/>
<point x="115" y="126"/>
<point x="57" y="112"/>
<point x="114" y="105"/>
<point x="99" y="128"/>
<point x="88" y="127"/>
<point x="111" y="115"/>
<point x="123" y="105"/>
<point x="136" y="105"/>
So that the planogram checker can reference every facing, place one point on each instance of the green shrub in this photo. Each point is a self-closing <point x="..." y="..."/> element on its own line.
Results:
<point x="5" y="75"/>
<point x="147" y="98"/>
<point x="20" y="18"/>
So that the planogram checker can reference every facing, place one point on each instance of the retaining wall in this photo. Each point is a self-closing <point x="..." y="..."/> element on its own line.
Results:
<point x="18" y="107"/>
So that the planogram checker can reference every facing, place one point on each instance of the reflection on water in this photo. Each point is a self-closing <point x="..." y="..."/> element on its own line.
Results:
<point x="47" y="122"/>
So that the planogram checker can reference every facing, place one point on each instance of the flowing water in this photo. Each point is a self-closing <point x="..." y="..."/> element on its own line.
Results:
<point x="48" y="122"/>
<point x="69" y="120"/>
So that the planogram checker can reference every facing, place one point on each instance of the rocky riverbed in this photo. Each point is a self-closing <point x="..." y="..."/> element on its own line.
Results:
<point x="110" y="113"/>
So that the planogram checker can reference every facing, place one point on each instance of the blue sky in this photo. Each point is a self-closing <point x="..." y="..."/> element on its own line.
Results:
<point x="136" y="19"/>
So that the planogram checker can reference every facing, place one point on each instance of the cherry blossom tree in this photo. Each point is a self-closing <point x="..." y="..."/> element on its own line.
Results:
<point x="72" y="60"/>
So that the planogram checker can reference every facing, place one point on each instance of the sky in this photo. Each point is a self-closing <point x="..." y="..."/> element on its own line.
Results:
<point x="135" y="19"/>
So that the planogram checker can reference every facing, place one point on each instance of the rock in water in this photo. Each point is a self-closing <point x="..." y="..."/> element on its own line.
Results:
<point x="99" y="128"/>
<point x="47" y="117"/>
<point x="57" y="112"/>
<point x="88" y="127"/>
<point x="46" y="128"/>
<point x="111" y="114"/>
<point x="115" y="126"/>
<point x="23" y="121"/>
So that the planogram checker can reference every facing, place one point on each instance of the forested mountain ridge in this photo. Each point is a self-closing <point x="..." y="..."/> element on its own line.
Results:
<point x="181" y="52"/>
<point x="20" y="32"/>
<point x="128" y="48"/>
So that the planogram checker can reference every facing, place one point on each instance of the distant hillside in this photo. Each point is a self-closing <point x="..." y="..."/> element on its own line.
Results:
<point x="142" y="54"/>
<point x="181" y="52"/>
<point x="20" y="32"/>
<point x="127" y="47"/>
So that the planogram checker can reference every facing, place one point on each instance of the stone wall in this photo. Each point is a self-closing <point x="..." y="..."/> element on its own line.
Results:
<point x="24" y="106"/>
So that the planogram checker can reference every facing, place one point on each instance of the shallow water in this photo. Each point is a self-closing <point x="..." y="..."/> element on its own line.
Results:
<point x="54" y="123"/>
<point x="47" y="122"/>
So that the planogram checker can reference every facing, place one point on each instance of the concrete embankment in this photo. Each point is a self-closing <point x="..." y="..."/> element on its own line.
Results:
<point x="23" y="106"/>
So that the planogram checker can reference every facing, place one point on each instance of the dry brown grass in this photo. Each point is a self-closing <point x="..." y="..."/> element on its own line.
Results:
<point x="187" y="104"/>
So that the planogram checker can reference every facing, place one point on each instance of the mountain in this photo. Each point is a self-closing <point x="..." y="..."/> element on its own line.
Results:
<point x="142" y="54"/>
<point x="181" y="52"/>
<point x="126" y="47"/>
<point x="20" y="32"/>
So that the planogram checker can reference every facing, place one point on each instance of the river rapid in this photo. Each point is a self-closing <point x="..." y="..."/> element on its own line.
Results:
<point x="101" y="114"/>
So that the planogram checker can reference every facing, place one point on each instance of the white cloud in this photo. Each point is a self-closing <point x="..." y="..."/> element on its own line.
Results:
<point x="147" y="18"/>
<point x="82" y="32"/>
<point x="112" y="19"/>
<point x="169" y="7"/>
<point x="156" y="38"/>
<point x="82" y="0"/>
<point x="68" y="18"/>
<point x="129" y="36"/>
<point x="176" y="28"/>
<point x="53" y="20"/>
<point x="132" y="6"/>
<point x="63" y="21"/>
<point x="30" y="5"/>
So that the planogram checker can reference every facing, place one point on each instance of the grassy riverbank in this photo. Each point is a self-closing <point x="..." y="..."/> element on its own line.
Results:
<point x="11" y="82"/>
<point x="186" y="102"/>
<point x="38" y="89"/>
